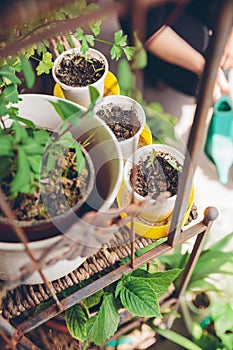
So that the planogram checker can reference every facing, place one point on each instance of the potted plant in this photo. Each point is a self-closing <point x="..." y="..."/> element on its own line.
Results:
<point x="100" y="196"/>
<point x="151" y="175"/>
<point x="125" y="117"/>
<point x="74" y="72"/>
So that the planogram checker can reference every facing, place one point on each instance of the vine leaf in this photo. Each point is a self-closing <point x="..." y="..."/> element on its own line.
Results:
<point x="139" y="298"/>
<point x="103" y="325"/>
<point x="76" y="321"/>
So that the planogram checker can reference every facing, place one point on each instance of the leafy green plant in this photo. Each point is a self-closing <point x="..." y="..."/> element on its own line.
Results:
<point x="97" y="318"/>
<point x="25" y="149"/>
<point x="215" y="260"/>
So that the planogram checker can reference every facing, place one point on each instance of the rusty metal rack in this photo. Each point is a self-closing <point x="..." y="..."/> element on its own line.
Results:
<point x="14" y="337"/>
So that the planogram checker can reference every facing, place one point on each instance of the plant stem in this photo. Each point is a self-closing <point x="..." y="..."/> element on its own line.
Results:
<point x="103" y="41"/>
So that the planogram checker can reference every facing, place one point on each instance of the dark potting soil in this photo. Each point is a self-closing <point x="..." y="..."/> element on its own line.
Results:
<point x="157" y="174"/>
<point x="123" y="122"/>
<point x="77" y="71"/>
<point x="57" y="184"/>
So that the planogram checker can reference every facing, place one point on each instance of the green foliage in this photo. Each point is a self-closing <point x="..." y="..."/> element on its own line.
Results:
<point x="221" y="335"/>
<point x="214" y="260"/>
<point x="138" y="292"/>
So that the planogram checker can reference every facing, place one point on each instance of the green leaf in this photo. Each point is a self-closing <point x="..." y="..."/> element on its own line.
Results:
<point x="104" y="324"/>
<point x="140" y="55"/>
<point x="139" y="298"/>
<point x="6" y="148"/>
<point x="66" y="140"/>
<point x="119" y="38"/>
<point x="28" y="72"/>
<point x="116" y="52"/>
<point x="45" y="64"/>
<point x="23" y="175"/>
<point x="125" y="76"/>
<point x="129" y="52"/>
<point x="25" y="121"/>
<point x="94" y="299"/>
<point x="9" y="73"/>
<point x="222" y="314"/>
<point x="94" y="95"/>
<point x="35" y="163"/>
<point x="20" y="132"/>
<point x="80" y="159"/>
<point x="177" y="338"/>
<point x="221" y="244"/>
<point x="76" y="321"/>
<point x="10" y="94"/>
<point x="66" y="109"/>
<point x="95" y="27"/>
<point x="159" y="281"/>
<point x="41" y="136"/>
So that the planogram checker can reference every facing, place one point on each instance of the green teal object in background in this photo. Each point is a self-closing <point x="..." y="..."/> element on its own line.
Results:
<point x="219" y="142"/>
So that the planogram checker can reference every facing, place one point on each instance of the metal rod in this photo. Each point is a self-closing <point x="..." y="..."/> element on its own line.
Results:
<point x="198" y="130"/>
<point x="76" y="297"/>
<point x="13" y="338"/>
<point x="210" y="214"/>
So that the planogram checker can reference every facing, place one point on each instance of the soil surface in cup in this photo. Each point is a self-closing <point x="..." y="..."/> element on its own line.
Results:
<point x="156" y="175"/>
<point x="77" y="71"/>
<point x="63" y="182"/>
<point x="123" y="122"/>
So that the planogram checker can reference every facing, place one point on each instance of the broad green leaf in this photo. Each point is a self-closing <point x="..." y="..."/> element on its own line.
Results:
<point x="9" y="73"/>
<point x="139" y="298"/>
<point x="23" y="175"/>
<point x="60" y="48"/>
<point x="28" y="72"/>
<point x="177" y="338"/>
<point x="104" y="324"/>
<point x="66" y="140"/>
<point x="45" y="64"/>
<point x="125" y="76"/>
<point x="66" y="109"/>
<point x="76" y="321"/>
<point x="94" y="299"/>
<point x="158" y="281"/>
<point x="10" y="93"/>
<point x="3" y="108"/>
<point x="94" y="95"/>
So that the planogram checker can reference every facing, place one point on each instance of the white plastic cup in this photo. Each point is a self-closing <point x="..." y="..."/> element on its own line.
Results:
<point x="129" y="145"/>
<point x="81" y="95"/>
<point x="153" y="211"/>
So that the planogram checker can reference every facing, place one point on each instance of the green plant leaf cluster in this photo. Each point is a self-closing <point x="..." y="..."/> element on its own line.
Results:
<point x="214" y="260"/>
<point x="138" y="292"/>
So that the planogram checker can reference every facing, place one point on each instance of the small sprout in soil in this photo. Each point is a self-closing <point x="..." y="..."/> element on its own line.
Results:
<point x="151" y="160"/>
<point x="178" y="168"/>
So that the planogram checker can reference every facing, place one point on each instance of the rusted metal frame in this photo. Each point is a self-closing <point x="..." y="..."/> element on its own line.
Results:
<point x="76" y="297"/>
<point x="199" y="127"/>
<point x="12" y="339"/>
<point x="4" y="205"/>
